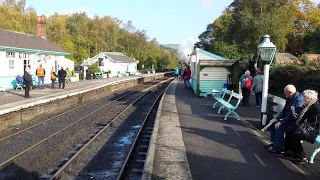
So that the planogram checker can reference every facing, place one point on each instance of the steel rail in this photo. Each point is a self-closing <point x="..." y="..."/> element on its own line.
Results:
<point x="59" y="115"/>
<point x="69" y="163"/>
<point x="3" y="164"/>
<point x="139" y="132"/>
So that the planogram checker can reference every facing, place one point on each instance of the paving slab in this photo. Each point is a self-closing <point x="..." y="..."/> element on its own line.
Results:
<point x="252" y="115"/>
<point x="169" y="160"/>
<point x="218" y="149"/>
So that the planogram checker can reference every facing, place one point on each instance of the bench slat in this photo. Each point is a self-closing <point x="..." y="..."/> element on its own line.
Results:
<point x="225" y="104"/>
<point x="315" y="152"/>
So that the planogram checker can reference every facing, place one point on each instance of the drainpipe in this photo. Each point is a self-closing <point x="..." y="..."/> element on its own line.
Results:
<point x="34" y="64"/>
<point x="34" y="58"/>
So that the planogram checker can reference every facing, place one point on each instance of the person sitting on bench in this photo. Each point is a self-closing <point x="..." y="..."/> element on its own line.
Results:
<point x="311" y="114"/>
<point x="19" y="79"/>
<point x="286" y="118"/>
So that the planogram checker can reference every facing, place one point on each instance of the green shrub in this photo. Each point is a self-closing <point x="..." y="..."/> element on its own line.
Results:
<point x="107" y="72"/>
<point x="304" y="60"/>
<point x="302" y="76"/>
<point x="94" y="68"/>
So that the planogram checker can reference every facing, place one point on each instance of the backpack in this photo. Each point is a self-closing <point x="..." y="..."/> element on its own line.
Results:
<point x="249" y="83"/>
<point x="260" y="78"/>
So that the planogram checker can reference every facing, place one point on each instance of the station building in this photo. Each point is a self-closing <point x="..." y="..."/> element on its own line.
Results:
<point x="19" y="50"/>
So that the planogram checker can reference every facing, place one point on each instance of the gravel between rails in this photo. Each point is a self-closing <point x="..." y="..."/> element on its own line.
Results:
<point x="107" y="163"/>
<point x="128" y="172"/>
<point x="97" y="103"/>
<point x="44" y="157"/>
<point x="17" y="144"/>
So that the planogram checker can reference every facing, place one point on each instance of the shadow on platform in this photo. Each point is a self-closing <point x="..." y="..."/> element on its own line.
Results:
<point x="230" y="150"/>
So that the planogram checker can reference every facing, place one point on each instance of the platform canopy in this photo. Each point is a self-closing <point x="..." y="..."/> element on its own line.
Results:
<point x="209" y="59"/>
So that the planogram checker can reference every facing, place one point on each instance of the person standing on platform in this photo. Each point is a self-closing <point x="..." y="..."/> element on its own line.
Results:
<point x="27" y="81"/>
<point x="176" y="72"/>
<point x="187" y="76"/>
<point x="41" y="73"/>
<point x="31" y="75"/>
<point x="246" y="84"/>
<point x="257" y="87"/>
<point x="62" y="74"/>
<point x="53" y="77"/>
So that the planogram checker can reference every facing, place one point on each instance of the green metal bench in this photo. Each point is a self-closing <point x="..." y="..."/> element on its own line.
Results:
<point x="316" y="151"/>
<point x="17" y="85"/>
<point x="218" y="98"/>
<point x="98" y="75"/>
<point x="225" y="104"/>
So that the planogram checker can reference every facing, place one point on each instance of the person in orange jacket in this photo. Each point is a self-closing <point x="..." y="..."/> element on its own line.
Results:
<point x="40" y="73"/>
<point x="53" y="77"/>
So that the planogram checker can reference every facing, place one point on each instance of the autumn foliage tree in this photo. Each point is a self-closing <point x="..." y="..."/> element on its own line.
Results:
<point x="84" y="37"/>
<point x="241" y="27"/>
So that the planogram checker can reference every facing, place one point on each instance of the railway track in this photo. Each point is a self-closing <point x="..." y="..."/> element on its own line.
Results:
<point x="115" y="151"/>
<point x="9" y="135"/>
<point x="123" y="148"/>
<point x="132" y="168"/>
<point x="68" y="132"/>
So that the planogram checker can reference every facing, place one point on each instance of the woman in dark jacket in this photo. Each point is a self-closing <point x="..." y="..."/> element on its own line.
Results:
<point x="27" y="81"/>
<point x="310" y="113"/>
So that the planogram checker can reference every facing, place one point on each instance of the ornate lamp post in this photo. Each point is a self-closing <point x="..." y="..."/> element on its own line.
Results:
<point x="266" y="51"/>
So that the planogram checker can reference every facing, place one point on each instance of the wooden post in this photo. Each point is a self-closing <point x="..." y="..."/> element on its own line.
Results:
<point x="197" y="75"/>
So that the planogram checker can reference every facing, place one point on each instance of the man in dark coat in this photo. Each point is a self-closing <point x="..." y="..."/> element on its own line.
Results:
<point x="62" y="74"/>
<point x="295" y="101"/>
<point x="27" y="81"/>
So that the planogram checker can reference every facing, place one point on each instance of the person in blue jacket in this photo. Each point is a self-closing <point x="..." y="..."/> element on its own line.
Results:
<point x="294" y="104"/>
<point x="176" y="72"/>
<point x="19" y="79"/>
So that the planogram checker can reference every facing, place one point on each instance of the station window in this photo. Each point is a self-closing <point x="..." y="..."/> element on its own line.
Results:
<point x="26" y="63"/>
<point x="10" y="54"/>
<point x="11" y="64"/>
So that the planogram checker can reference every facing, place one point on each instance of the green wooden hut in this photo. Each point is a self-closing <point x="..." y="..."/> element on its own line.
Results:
<point x="210" y="71"/>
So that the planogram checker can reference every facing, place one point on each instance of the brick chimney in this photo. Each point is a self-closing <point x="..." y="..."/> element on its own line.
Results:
<point x="41" y="27"/>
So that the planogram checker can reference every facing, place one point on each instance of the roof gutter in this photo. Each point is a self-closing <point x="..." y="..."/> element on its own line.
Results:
<point x="36" y="51"/>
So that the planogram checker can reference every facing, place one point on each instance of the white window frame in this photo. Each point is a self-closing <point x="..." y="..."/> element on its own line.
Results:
<point x="10" y="54"/>
<point x="11" y="61"/>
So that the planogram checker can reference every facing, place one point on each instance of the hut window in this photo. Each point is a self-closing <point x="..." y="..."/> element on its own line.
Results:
<point x="205" y="74"/>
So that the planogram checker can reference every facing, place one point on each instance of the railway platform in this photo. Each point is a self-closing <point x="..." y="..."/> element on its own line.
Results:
<point x="192" y="141"/>
<point x="13" y="98"/>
